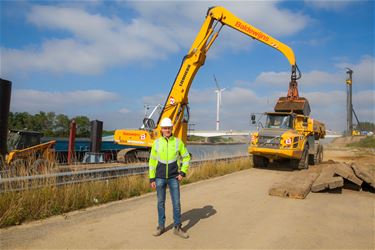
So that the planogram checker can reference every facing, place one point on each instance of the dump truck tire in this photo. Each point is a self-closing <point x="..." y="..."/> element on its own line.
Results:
<point x="313" y="158"/>
<point x="260" y="161"/>
<point x="320" y="154"/>
<point x="316" y="158"/>
<point x="302" y="163"/>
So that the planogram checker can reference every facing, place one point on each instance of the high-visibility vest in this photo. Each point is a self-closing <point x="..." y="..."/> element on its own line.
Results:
<point x="168" y="158"/>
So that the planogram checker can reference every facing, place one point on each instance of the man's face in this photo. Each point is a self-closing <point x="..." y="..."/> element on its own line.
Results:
<point x="166" y="131"/>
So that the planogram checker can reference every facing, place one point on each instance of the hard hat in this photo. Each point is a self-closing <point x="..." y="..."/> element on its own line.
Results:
<point x="166" y="122"/>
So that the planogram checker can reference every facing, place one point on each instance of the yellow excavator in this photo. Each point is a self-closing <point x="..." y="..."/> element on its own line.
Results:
<point x="176" y="104"/>
<point x="27" y="153"/>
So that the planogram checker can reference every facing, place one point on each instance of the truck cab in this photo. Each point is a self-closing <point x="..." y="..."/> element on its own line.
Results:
<point x="287" y="136"/>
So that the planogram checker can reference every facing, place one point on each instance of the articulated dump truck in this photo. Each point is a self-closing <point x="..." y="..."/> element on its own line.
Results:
<point x="289" y="134"/>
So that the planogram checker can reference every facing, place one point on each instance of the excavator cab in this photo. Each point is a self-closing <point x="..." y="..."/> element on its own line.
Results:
<point x="18" y="140"/>
<point x="26" y="153"/>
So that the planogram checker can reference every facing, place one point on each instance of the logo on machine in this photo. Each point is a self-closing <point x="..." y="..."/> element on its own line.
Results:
<point x="184" y="76"/>
<point x="248" y="29"/>
<point x="172" y="101"/>
<point x="143" y="136"/>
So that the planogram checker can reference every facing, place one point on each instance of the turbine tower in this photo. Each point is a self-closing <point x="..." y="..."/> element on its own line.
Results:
<point x="218" y="104"/>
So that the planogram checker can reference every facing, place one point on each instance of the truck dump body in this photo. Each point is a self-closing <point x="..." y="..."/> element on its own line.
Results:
<point x="299" y="106"/>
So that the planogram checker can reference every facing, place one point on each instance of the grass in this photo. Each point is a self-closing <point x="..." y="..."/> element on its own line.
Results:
<point x="367" y="142"/>
<point x="35" y="204"/>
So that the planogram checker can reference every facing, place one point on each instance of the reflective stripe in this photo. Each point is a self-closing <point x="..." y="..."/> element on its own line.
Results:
<point x="187" y="153"/>
<point x="166" y="162"/>
<point x="185" y="163"/>
<point x="157" y="145"/>
<point x="152" y="168"/>
<point x="177" y="144"/>
<point x="153" y="157"/>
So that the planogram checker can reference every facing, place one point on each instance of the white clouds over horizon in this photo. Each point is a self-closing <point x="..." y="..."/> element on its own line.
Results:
<point x="94" y="42"/>
<point x="334" y="5"/>
<point x="364" y="72"/>
<point x="33" y="101"/>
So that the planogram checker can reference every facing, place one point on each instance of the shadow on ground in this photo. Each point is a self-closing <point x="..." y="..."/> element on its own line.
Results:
<point x="193" y="216"/>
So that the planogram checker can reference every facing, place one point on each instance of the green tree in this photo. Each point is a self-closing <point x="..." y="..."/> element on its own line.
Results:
<point x="51" y="120"/>
<point x="83" y="126"/>
<point x="366" y="126"/>
<point x="20" y="121"/>
<point x="62" y="126"/>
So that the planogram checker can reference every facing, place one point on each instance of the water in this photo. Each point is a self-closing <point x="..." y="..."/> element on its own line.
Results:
<point x="215" y="151"/>
<point x="227" y="150"/>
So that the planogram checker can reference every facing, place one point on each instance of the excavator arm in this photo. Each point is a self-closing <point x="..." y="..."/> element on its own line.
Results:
<point x="176" y="104"/>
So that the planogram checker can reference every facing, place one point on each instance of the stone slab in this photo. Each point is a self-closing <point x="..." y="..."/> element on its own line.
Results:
<point x="364" y="174"/>
<point x="345" y="171"/>
<point x="326" y="179"/>
<point x="297" y="186"/>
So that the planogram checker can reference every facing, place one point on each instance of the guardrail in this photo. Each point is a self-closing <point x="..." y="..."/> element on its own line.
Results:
<point x="15" y="184"/>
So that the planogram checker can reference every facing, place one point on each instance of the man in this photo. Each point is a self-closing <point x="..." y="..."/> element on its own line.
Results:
<point x="166" y="168"/>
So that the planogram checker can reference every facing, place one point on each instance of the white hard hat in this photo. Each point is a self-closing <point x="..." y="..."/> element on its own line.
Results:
<point x="166" y="122"/>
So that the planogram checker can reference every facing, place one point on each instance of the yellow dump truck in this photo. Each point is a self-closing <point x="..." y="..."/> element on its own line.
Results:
<point x="289" y="134"/>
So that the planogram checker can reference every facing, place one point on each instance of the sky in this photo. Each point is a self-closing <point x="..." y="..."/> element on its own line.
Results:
<point x="107" y="59"/>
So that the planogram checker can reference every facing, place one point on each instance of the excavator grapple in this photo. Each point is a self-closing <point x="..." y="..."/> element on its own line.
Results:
<point x="292" y="102"/>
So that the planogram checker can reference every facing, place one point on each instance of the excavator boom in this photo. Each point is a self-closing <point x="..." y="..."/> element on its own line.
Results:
<point x="176" y="104"/>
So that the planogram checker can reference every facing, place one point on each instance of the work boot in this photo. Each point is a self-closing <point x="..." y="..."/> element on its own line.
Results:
<point x="159" y="231"/>
<point x="180" y="232"/>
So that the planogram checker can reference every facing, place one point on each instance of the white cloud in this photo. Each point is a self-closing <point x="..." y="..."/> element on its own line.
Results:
<point x="312" y="78"/>
<point x="94" y="42"/>
<point x="329" y="4"/>
<point x="364" y="71"/>
<point x="363" y="74"/>
<point x="34" y="101"/>
<point x="124" y="111"/>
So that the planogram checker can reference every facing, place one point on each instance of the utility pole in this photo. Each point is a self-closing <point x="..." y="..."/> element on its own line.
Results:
<point x="349" y="104"/>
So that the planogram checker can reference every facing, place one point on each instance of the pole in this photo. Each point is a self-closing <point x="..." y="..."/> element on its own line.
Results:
<point x="349" y="103"/>
<point x="217" y="110"/>
<point x="72" y="138"/>
<point x="5" y="93"/>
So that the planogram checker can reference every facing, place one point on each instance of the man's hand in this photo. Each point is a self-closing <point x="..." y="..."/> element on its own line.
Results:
<point x="153" y="185"/>
<point x="179" y="177"/>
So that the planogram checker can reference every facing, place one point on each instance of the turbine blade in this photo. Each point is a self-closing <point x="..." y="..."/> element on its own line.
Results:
<point x="217" y="85"/>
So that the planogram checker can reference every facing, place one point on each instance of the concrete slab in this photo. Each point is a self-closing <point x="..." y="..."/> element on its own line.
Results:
<point x="364" y="174"/>
<point x="326" y="179"/>
<point x="344" y="170"/>
<point x="297" y="186"/>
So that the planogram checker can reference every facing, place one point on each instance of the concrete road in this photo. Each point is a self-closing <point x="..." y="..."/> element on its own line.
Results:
<point x="234" y="211"/>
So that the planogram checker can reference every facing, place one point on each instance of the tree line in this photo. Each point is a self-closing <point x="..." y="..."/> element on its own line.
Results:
<point x="365" y="126"/>
<point x="49" y="123"/>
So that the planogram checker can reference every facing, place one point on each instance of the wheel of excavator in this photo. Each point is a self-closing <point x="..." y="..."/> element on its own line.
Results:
<point x="133" y="155"/>
<point x="18" y="168"/>
<point x="40" y="166"/>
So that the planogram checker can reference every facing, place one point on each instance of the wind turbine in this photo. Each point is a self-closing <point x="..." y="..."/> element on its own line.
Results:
<point x="218" y="104"/>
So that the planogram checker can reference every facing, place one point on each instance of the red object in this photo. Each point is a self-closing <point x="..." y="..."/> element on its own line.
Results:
<point x="293" y="90"/>
<point x="72" y="139"/>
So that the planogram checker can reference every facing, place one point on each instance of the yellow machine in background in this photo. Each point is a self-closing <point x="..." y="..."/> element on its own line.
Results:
<point x="27" y="153"/>
<point x="288" y="136"/>
<point x="176" y="104"/>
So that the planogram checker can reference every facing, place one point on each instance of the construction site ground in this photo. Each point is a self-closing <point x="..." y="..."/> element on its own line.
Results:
<point x="233" y="211"/>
